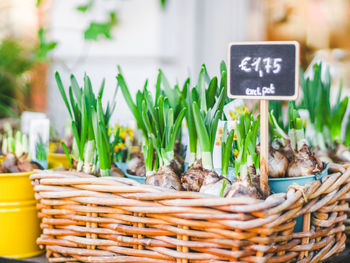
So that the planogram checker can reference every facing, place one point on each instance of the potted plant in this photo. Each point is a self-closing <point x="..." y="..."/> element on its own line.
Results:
<point x="111" y="218"/>
<point x="159" y="119"/>
<point x="92" y="151"/>
<point x="291" y="160"/>
<point x="18" y="214"/>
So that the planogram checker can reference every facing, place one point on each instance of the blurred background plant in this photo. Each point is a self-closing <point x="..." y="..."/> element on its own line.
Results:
<point x="15" y="63"/>
<point x="177" y="36"/>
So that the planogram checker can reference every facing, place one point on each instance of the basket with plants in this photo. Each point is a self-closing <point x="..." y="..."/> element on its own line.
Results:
<point x="195" y="215"/>
<point x="329" y="132"/>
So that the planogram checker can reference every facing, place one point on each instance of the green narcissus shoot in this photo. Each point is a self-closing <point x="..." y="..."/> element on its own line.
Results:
<point x="336" y="117"/>
<point x="4" y="146"/>
<point x="66" y="151"/>
<point x="223" y="83"/>
<point x="347" y="133"/>
<point x="25" y="143"/>
<point x="135" y="107"/>
<point x="207" y="109"/>
<point x="326" y="119"/>
<point x="226" y="149"/>
<point x="277" y="107"/>
<point x="192" y="133"/>
<point x="159" y="118"/>
<point x="174" y="95"/>
<point x="203" y="82"/>
<point x="102" y="139"/>
<point x="296" y="127"/>
<point x="277" y="132"/>
<point x="85" y="109"/>
<point x="8" y="129"/>
<point x="11" y="144"/>
<point x="247" y="134"/>
<point x="224" y="184"/>
<point x="18" y="145"/>
<point x="206" y="126"/>
<point x="148" y="153"/>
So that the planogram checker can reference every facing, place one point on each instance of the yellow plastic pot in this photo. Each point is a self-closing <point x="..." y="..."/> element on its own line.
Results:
<point x="57" y="160"/>
<point x="19" y="224"/>
<point x="53" y="146"/>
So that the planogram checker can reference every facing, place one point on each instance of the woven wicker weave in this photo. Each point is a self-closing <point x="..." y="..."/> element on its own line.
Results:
<point x="92" y="219"/>
<point x="347" y="221"/>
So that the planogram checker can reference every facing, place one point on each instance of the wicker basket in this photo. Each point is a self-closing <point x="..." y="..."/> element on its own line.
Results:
<point x="92" y="219"/>
<point x="347" y="221"/>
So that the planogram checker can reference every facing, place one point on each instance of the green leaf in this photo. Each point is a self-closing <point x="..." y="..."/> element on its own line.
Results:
<point x="213" y="129"/>
<point x="202" y="90"/>
<point x="100" y="93"/>
<point x="223" y="67"/>
<point x="170" y="93"/>
<point x="201" y="129"/>
<point x="176" y="127"/>
<point x="85" y="7"/>
<point x="45" y="47"/>
<point x="65" y="149"/>
<point x="347" y="133"/>
<point x="211" y="92"/>
<point x="163" y="3"/>
<point x="77" y="91"/>
<point x="135" y="111"/>
<point x="95" y="30"/>
<point x="77" y="138"/>
<point x="63" y="93"/>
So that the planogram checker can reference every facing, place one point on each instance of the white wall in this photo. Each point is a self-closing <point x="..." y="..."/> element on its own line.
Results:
<point x="178" y="40"/>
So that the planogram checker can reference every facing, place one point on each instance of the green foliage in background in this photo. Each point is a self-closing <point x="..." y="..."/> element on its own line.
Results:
<point x="95" y="30"/>
<point x="40" y="150"/>
<point x="14" y="62"/>
<point x="44" y="46"/>
<point x="85" y="7"/>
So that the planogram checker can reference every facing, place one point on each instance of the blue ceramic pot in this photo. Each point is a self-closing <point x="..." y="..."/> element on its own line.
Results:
<point x="280" y="185"/>
<point x="231" y="174"/>
<point x="185" y="167"/>
<point x="122" y="166"/>
<point x="43" y="165"/>
<point x="140" y="179"/>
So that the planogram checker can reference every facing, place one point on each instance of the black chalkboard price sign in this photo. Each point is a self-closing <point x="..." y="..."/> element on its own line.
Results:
<point x="263" y="70"/>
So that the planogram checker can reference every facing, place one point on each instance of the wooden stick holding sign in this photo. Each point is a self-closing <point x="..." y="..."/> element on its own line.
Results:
<point x="264" y="146"/>
<point x="264" y="71"/>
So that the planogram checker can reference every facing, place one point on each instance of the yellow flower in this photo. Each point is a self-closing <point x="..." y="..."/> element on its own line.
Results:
<point x="119" y="147"/>
<point x="235" y="152"/>
<point x="122" y="134"/>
